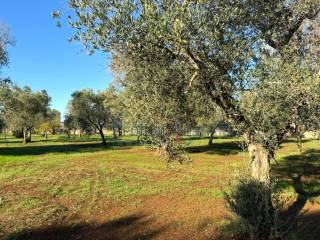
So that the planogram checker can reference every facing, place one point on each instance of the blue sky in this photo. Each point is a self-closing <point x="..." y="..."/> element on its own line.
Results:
<point x="42" y="57"/>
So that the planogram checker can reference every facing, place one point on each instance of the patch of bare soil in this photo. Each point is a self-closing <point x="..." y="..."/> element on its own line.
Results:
<point x="175" y="216"/>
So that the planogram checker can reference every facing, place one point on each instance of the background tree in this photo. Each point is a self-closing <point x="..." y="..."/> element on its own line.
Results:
<point x="205" y="114"/>
<point x="50" y="123"/>
<point x="44" y="127"/>
<point x="3" y="125"/>
<point x="89" y="107"/>
<point x="26" y="109"/>
<point x="114" y="102"/>
<point x="5" y="102"/>
<point x="5" y="41"/>
<point x="70" y="123"/>
<point x="54" y="118"/>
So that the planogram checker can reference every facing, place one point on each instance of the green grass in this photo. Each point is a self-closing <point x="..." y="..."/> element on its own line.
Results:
<point x="73" y="180"/>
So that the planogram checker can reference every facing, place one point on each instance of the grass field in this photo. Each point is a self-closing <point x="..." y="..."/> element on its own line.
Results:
<point x="78" y="189"/>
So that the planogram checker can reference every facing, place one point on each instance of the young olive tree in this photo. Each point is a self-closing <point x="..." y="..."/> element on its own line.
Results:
<point x="70" y="124"/>
<point x="43" y="126"/>
<point x="88" y="107"/>
<point x="49" y="123"/>
<point x="54" y="118"/>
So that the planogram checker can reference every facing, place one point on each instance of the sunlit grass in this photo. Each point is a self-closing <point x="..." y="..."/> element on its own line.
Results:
<point x="47" y="181"/>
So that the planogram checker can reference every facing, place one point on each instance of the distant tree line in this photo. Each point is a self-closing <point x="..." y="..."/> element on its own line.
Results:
<point x="24" y="111"/>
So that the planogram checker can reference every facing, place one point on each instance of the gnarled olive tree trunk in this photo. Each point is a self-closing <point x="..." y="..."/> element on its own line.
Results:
<point x="210" y="143"/>
<point x="260" y="162"/>
<point x="260" y="171"/>
<point x="25" y="135"/>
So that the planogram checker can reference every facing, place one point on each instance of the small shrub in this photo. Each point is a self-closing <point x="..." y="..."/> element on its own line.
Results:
<point x="252" y="202"/>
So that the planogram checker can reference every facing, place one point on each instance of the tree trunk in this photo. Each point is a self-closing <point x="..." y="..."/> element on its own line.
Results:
<point x="46" y="135"/>
<point x="211" y="137"/>
<point x="260" y="171"/>
<point x="119" y="132"/>
<point x="74" y="134"/>
<point x="114" y="133"/>
<point x="30" y="136"/>
<point x="260" y="163"/>
<point x="163" y="150"/>
<point x="299" y="142"/>
<point x="103" y="139"/>
<point x="24" y="136"/>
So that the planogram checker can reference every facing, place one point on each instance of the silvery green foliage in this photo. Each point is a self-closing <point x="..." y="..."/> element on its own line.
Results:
<point x="212" y="46"/>
<point x="253" y="203"/>
<point x="286" y="99"/>
<point x="70" y="123"/>
<point x="89" y="109"/>
<point x="25" y="107"/>
<point x="114" y="101"/>
<point x="156" y="107"/>
<point x="5" y="41"/>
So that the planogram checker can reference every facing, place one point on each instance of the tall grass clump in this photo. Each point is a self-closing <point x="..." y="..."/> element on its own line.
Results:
<point x="256" y="206"/>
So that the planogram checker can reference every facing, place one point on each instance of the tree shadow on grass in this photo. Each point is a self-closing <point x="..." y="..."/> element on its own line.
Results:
<point x="302" y="172"/>
<point x="224" y="148"/>
<point x="83" y="139"/>
<point x="44" y="149"/>
<point x="64" y="148"/>
<point x="308" y="226"/>
<point x="132" y="227"/>
<point x="19" y="140"/>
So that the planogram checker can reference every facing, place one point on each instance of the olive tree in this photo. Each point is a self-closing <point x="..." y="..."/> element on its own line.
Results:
<point x="5" y="102"/>
<point x="213" y="43"/>
<point x="70" y="123"/>
<point x="114" y="102"/>
<point x="286" y="99"/>
<point x="155" y="104"/>
<point x="25" y="109"/>
<point x="88" y="107"/>
<point x="54" y="118"/>
<point x="50" y="123"/>
<point x="5" y="41"/>
<point x="205" y="114"/>
<point x="5" y="83"/>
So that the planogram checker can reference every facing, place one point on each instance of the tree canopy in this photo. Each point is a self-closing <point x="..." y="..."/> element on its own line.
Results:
<point x="207" y="46"/>
<point x="5" y="41"/>
<point x="89" y="108"/>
